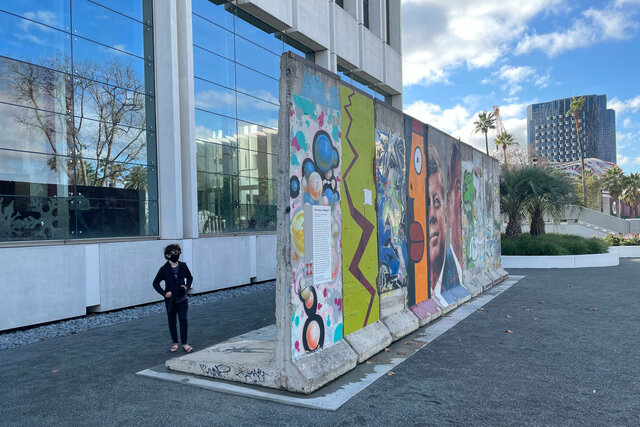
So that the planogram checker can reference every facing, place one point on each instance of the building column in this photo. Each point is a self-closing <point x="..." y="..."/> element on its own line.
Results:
<point x="168" y="119"/>
<point x="327" y="59"/>
<point x="187" y="121"/>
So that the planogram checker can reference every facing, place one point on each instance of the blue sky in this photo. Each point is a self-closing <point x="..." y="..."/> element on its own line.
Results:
<point x="463" y="56"/>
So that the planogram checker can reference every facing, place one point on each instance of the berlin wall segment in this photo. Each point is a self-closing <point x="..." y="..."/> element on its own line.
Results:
<point x="359" y="223"/>
<point x="379" y="217"/>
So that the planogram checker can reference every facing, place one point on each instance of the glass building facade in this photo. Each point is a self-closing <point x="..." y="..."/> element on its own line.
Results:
<point x="552" y="134"/>
<point x="236" y="63"/>
<point x="77" y="113"/>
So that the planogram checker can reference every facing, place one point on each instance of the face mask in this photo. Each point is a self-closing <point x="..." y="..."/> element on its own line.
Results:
<point x="174" y="257"/>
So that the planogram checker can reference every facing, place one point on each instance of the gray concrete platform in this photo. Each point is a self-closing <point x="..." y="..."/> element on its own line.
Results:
<point x="249" y="358"/>
<point x="337" y="393"/>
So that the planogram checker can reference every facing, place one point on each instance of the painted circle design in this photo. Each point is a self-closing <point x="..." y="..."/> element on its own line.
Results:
<point x="417" y="160"/>
<point x="313" y="335"/>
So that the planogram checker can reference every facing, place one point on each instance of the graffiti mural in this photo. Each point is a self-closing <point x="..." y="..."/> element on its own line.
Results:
<point x="445" y="225"/>
<point x="314" y="179"/>
<point x="416" y="218"/>
<point x="469" y="243"/>
<point x="390" y="205"/>
<point x="359" y="246"/>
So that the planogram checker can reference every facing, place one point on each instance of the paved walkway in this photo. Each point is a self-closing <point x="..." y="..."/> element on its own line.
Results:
<point x="572" y="358"/>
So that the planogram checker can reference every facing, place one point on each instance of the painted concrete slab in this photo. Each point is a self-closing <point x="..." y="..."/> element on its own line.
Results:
<point x="401" y="324"/>
<point x="337" y="393"/>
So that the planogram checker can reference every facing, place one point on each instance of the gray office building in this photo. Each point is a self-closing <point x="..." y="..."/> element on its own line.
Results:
<point x="552" y="135"/>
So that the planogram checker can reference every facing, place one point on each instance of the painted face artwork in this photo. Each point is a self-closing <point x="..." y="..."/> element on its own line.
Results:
<point x="437" y="225"/>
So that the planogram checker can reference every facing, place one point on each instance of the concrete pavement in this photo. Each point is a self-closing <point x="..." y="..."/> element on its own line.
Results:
<point x="571" y="358"/>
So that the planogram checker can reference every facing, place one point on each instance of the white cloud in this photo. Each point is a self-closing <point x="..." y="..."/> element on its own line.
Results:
<point x="513" y="77"/>
<point x="623" y="160"/>
<point x="458" y="121"/>
<point x="632" y="105"/>
<point x="626" y="123"/>
<point x="439" y="36"/>
<point x="594" y="26"/>
<point x="636" y="161"/>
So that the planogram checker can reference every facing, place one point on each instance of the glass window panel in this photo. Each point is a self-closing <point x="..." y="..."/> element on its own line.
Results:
<point x="112" y="180"/>
<point x="258" y="36"/>
<point x="215" y="128"/>
<point x="136" y="9"/>
<point x="217" y="158"/>
<point x="35" y="43"/>
<point x="109" y="104"/>
<point x="100" y="63"/>
<point x="97" y="23"/>
<point x="94" y="139"/>
<point x="256" y="164"/>
<point x="255" y="57"/>
<point x="213" y="68"/>
<point x="212" y="37"/>
<point x="54" y="13"/>
<point x="214" y="98"/>
<point x="262" y="217"/>
<point x="215" y="218"/>
<point x="32" y="86"/>
<point x="256" y="137"/>
<point x="37" y="171"/>
<point x="257" y="84"/>
<point x="33" y="130"/>
<point x="213" y="13"/>
<point x="256" y="190"/>
<point x="257" y="111"/>
<point x="35" y="218"/>
<point x="96" y="218"/>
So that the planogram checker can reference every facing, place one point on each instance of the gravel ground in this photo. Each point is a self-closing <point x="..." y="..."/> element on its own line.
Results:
<point x="100" y="320"/>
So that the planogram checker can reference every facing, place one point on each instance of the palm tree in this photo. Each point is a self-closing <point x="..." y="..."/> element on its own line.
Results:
<point x="550" y="192"/>
<point x="613" y="182"/>
<point x="631" y="193"/>
<point x="485" y="122"/>
<point x="513" y="198"/>
<point x="576" y="105"/>
<point x="504" y="140"/>
<point x="535" y="191"/>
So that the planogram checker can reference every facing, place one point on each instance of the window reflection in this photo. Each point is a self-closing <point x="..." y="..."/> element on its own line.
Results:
<point x="212" y="37"/>
<point x="77" y="152"/>
<point x="34" y="43"/>
<point x="236" y="119"/>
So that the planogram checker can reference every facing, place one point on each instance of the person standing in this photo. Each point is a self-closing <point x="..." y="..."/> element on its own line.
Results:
<point x="177" y="281"/>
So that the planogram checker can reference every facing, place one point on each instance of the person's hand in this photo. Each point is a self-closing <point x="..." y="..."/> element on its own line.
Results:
<point x="168" y="294"/>
<point x="185" y="287"/>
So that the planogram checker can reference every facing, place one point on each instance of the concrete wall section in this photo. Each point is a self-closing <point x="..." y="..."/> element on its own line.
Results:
<point x="314" y="180"/>
<point x="416" y="218"/>
<point x="266" y="259"/>
<point x="445" y="228"/>
<point x="391" y="199"/>
<point x="359" y="222"/>
<point x="43" y="284"/>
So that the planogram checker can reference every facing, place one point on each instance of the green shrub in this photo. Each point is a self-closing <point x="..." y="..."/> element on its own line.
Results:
<point x="552" y="244"/>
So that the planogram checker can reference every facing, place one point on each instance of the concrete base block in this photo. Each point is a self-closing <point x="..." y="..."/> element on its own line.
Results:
<point x="249" y="358"/>
<point x="370" y="340"/>
<point x="308" y="373"/>
<point x="427" y="311"/>
<point x="450" y="307"/>
<point x="474" y="286"/>
<point x="503" y="273"/>
<point x="494" y="276"/>
<point x="401" y="323"/>
<point x="485" y="281"/>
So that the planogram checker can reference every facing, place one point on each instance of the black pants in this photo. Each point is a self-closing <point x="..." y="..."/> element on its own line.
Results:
<point x="181" y="311"/>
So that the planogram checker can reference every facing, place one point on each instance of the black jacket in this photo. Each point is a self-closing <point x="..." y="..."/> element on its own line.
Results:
<point x="165" y="273"/>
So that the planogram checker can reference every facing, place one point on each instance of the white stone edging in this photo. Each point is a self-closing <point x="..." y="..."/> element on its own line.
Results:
<point x="626" y="251"/>
<point x="608" y="259"/>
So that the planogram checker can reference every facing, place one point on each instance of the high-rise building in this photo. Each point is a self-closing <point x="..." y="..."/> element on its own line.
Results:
<point x="129" y="125"/>
<point x="551" y="134"/>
